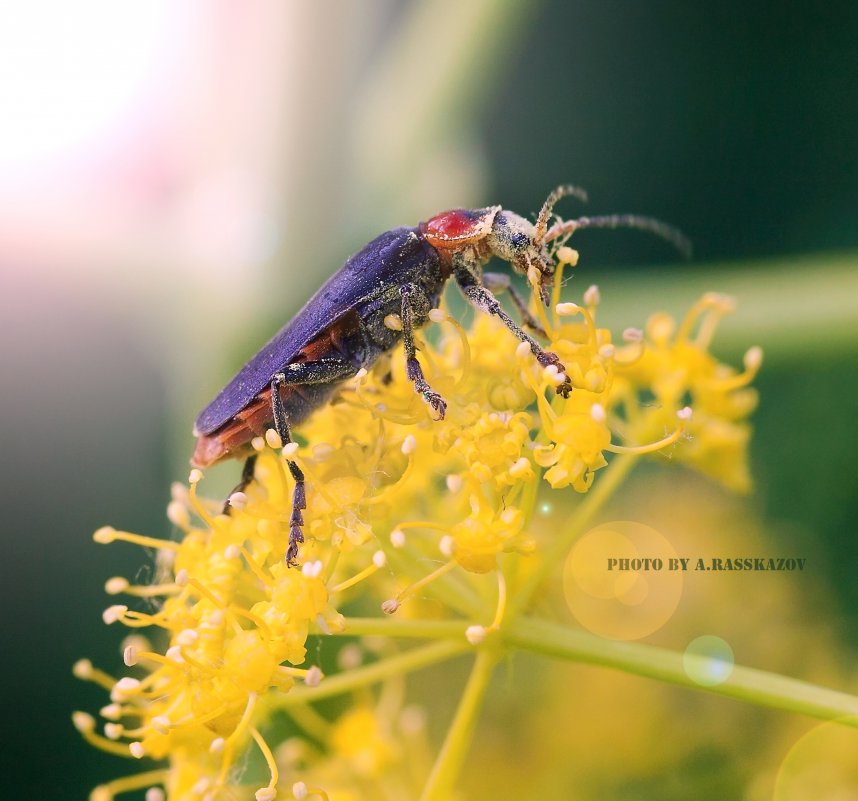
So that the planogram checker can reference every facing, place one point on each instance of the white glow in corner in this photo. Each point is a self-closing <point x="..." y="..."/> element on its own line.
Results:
<point x="73" y="73"/>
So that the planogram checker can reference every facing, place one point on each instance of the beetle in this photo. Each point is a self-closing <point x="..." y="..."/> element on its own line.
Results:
<point x="342" y="329"/>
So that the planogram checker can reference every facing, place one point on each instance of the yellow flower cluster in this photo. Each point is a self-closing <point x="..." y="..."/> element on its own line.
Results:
<point x="389" y="491"/>
<point x="676" y="367"/>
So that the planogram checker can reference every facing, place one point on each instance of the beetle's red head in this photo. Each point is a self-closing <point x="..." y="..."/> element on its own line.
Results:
<point x="522" y="243"/>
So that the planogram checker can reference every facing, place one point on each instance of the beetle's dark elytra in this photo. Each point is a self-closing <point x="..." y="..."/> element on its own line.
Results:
<point x="358" y="287"/>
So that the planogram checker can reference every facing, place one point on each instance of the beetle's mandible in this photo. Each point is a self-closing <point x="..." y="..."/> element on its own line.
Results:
<point x="341" y="329"/>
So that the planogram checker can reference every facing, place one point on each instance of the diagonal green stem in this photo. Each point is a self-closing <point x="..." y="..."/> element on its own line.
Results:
<point x="415" y="659"/>
<point x="744" y="684"/>
<point x="393" y="627"/>
<point x="447" y="766"/>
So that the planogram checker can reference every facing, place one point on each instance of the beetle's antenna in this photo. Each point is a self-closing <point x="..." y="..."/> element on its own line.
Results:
<point x="667" y="232"/>
<point x="566" y="190"/>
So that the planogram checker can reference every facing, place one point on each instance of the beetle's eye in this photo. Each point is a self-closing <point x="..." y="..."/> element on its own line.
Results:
<point x="519" y="241"/>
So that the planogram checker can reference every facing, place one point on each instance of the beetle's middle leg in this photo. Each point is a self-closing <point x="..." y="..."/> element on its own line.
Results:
<point x="411" y="297"/>
<point x="320" y="372"/>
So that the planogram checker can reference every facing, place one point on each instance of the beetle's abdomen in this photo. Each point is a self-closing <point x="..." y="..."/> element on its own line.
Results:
<point x="343" y="340"/>
<point x="234" y="438"/>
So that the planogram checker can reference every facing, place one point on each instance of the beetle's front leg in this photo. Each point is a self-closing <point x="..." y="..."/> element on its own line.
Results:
<point x="411" y="295"/>
<point x="467" y="277"/>
<point x="501" y="282"/>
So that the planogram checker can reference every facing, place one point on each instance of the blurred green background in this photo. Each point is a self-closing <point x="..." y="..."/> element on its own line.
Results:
<point x="177" y="181"/>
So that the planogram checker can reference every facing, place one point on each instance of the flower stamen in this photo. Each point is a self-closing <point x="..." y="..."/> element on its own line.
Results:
<point x="441" y="316"/>
<point x="141" y="620"/>
<point x="85" y="724"/>
<point x="108" y="534"/>
<point x="257" y="569"/>
<point x="127" y="784"/>
<point x="420" y="583"/>
<point x="302" y="792"/>
<point x="378" y="561"/>
<point x="195" y="477"/>
<point x="682" y="415"/>
<point x="230" y="742"/>
<point x="542" y="316"/>
<point x="268" y="792"/>
<point x="753" y="362"/>
<point x="84" y="670"/>
<point x="501" y="605"/>
<point x="717" y="305"/>
<point x="571" y="309"/>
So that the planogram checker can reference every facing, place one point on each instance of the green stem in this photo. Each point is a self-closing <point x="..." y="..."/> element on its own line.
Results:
<point x="602" y="490"/>
<point x="415" y="659"/>
<point x="744" y="684"/>
<point x="447" y="766"/>
<point x="391" y="627"/>
<point x="529" y="497"/>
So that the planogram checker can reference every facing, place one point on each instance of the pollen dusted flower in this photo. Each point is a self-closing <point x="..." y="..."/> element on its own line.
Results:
<point x="401" y="509"/>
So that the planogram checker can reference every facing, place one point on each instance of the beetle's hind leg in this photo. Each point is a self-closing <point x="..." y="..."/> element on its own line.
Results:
<point x="299" y="496"/>
<point x="325" y="371"/>
<point x="246" y="478"/>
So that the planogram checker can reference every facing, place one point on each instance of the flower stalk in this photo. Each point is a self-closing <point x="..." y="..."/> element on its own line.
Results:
<point x="758" y="687"/>
<point x="445" y="772"/>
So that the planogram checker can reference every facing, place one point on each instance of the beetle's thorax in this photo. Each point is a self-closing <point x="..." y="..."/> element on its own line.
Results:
<point x="487" y="232"/>
<point x="460" y="229"/>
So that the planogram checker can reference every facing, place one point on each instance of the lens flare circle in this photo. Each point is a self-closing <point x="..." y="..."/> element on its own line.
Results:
<point x="708" y="660"/>
<point x="822" y="764"/>
<point x="619" y="599"/>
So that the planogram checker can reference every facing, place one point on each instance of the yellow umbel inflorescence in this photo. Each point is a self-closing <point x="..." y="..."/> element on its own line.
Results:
<point x="399" y="506"/>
